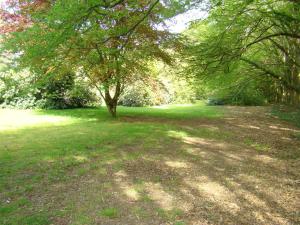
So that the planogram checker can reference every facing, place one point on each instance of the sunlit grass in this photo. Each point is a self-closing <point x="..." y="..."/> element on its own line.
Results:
<point x="16" y="119"/>
<point x="41" y="147"/>
<point x="83" y="166"/>
<point x="109" y="212"/>
<point x="176" y="111"/>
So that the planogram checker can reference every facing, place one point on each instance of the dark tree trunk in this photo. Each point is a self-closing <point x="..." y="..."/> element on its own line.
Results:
<point x="112" y="102"/>
<point x="112" y="107"/>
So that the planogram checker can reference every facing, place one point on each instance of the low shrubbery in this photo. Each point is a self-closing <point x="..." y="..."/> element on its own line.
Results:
<point x="57" y="92"/>
<point x="242" y="97"/>
<point x="64" y="91"/>
<point x="156" y="92"/>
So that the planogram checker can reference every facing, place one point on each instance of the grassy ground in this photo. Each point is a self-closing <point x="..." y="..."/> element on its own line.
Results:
<point x="290" y="114"/>
<point x="189" y="164"/>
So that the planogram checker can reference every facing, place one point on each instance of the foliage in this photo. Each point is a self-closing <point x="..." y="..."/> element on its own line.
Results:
<point x="255" y="41"/>
<point x="235" y="89"/>
<point x="81" y="95"/>
<point x="137" y="94"/>
<point x="16" y="91"/>
<point x="110" y="42"/>
<point x="54" y="90"/>
<point x="24" y="92"/>
<point x="163" y="86"/>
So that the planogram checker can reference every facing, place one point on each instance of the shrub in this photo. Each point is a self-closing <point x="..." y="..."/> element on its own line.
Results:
<point x="81" y="96"/>
<point x="157" y="91"/>
<point x="55" y="92"/>
<point x="136" y="95"/>
<point x="16" y="92"/>
<point x="249" y="95"/>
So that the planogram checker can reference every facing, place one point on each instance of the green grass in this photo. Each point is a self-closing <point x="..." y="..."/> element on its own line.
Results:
<point x="289" y="114"/>
<point x="42" y="148"/>
<point x="170" y="215"/>
<point x="188" y="111"/>
<point x="110" y="213"/>
<point x="257" y="146"/>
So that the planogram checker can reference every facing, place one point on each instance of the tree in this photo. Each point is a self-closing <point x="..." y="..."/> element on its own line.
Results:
<point x="258" y="39"/>
<point x="108" y="41"/>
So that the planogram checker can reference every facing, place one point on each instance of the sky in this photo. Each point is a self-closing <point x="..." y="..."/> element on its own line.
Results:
<point x="181" y="22"/>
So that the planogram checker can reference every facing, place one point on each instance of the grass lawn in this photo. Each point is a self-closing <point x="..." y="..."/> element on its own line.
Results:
<point x="288" y="113"/>
<point x="182" y="164"/>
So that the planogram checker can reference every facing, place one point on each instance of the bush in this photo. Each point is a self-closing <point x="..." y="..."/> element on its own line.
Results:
<point x="16" y="92"/>
<point x="157" y="91"/>
<point x="137" y="95"/>
<point x="242" y="98"/>
<point x="249" y="95"/>
<point x="81" y="96"/>
<point x="55" y="92"/>
<point x="248" y="99"/>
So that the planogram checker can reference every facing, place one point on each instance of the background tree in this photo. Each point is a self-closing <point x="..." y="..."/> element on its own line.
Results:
<point x="251" y="41"/>
<point x="108" y="41"/>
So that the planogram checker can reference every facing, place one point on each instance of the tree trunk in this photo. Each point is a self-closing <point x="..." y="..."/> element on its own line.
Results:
<point x="112" y="108"/>
<point x="112" y="102"/>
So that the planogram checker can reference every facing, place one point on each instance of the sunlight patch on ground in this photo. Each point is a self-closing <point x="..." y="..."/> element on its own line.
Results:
<point x="49" y="159"/>
<point x="17" y="119"/>
<point x="233" y="156"/>
<point x="197" y="151"/>
<point x="215" y="192"/>
<point x="131" y="193"/>
<point x="204" y="142"/>
<point x="283" y="128"/>
<point x="265" y="159"/>
<point x="249" y="126"/>
<point x="165" y="200"/>
<point x="127" y="188"/>
<point x="177" y="134"/>
<point x="80" y="158"/>
<point x="262" y="208"/>
<point x="162" y="198"/>
<point x="177" y="164"/>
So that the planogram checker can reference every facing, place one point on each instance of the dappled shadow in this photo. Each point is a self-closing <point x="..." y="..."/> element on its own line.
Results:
<point x="251" y="126"/>
<point x="198" y="171"/>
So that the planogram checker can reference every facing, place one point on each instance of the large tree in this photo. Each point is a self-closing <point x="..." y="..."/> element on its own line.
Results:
<point x="260" y="38"/>
<point x="110" y="41"/>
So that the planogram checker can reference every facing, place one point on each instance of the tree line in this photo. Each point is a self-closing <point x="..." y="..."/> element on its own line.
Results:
<point x="244" y="47"/>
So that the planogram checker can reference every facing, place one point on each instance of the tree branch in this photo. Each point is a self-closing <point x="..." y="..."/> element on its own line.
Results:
<point x="296" y="36"/>
<point x="272" y="74"/>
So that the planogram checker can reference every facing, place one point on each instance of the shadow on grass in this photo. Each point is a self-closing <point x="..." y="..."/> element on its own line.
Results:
<point x="290" y="114"/>
<point x="145" y="172"/>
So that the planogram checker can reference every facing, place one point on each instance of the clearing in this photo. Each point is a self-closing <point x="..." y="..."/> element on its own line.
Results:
<point x="178" y="165"/>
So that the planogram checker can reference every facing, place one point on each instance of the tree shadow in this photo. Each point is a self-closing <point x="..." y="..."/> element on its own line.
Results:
<point x="151" y="172"/>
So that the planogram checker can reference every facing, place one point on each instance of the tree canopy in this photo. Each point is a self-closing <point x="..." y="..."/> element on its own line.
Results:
<point x="256" y="40"/>
<point x="247" y="50"/>
<point x="109" y="41"/>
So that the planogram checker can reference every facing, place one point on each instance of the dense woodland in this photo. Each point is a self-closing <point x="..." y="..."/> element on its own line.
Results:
<point x="65" y="54"/>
